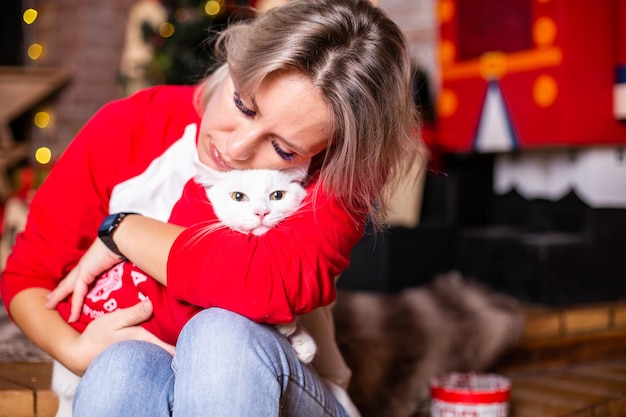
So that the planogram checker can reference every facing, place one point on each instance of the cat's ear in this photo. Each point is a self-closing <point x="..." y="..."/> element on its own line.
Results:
<point x="205" y="175"/>
<point x="299" y="172"/>
<point x="296" y="174"/>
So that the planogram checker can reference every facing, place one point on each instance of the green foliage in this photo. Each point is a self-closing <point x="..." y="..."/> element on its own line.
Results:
<point x="187" y="55"/>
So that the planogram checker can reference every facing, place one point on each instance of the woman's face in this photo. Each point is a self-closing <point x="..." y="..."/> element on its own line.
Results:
<point x="286" y="124"/>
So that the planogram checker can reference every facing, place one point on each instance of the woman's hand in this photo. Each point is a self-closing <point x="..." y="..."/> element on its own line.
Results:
<point x="110" y="328"/>
<point x="97" y="259"/>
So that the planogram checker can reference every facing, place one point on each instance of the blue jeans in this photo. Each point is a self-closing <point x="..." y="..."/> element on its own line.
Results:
<point x="224" y="365"/>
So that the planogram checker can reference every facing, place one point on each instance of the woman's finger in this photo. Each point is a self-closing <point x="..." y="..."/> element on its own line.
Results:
<point x="65" y="288"/>
<point x="78" y="299"/>
<point x="124" y="324"/>
<point x="129" y="319"/>
<point x="131" y="316"/>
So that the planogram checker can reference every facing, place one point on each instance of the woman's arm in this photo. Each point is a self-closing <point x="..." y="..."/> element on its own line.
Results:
<point x="65" y="214"/>
<point x="38" y="323"/>
<point x="147" y="243"/>
<point x="288" y="271"/>
<point x="76" y="350"/>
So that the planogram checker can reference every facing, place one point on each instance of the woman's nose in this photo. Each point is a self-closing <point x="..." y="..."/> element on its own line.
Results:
<point x="242" y="144"/>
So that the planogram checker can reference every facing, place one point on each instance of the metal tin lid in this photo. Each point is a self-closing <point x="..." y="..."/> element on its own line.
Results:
<point x="470" y="388"/>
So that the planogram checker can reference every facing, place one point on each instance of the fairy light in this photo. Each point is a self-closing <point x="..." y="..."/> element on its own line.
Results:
<point x="212" y="7"/>
<point x="34" y="51"/>
<point x="166" y="29"/>
<point x="41" y="119"/>
<point x="43" y="155"/>
<point x="29" y="16"/>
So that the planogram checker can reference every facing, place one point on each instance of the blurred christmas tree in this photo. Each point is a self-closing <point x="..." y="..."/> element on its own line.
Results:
<point x="182" y="45"/>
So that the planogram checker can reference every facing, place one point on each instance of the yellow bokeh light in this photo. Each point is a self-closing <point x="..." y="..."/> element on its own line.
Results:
<point x="35" y="51"/>
<point x="29" y="16"/>
<point x="166" y="29"/>
<point x="41" y="119"/>
<point x="212" y="7"/>
<point x="43" y="155"/>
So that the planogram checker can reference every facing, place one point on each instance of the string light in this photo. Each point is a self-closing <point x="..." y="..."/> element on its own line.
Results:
<point x="166" y="29"/>
<point x="41" y="119"/>
<point x="43" y="155"/>
<point x="212" y="7"/>
<point x="34" y="51"/>
<point x="29" y="16"/>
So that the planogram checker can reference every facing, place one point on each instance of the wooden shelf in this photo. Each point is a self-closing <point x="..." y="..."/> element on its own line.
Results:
<point x="25" y="390"/>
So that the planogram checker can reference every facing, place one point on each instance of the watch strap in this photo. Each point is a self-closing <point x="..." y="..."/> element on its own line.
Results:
<point x="108" y="226"/>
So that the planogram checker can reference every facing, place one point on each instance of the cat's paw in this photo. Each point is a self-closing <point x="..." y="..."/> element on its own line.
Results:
<point x="287" y="329"/>
<point x="304" y="345"/>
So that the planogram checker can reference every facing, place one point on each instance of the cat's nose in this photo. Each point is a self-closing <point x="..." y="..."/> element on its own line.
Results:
<point x="261" y="214"/>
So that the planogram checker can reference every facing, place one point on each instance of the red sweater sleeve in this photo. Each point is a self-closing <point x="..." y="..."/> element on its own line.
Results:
<point x="290" y="270"/>
<point x="118" y="142"/>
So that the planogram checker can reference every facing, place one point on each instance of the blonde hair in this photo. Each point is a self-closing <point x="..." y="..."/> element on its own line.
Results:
<point x="358" y="59"/>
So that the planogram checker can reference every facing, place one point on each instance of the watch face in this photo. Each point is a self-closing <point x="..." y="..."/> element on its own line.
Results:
<point x="108" y="223"/>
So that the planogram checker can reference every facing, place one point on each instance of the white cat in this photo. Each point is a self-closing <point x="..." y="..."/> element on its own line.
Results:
<point x="247" y="201"/>
<point x="254" y="201"/>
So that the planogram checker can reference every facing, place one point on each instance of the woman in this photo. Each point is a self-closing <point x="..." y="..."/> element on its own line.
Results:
<point x="324" y="82"/>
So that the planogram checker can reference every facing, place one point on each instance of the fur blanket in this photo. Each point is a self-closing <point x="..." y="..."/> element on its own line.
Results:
<point x="395" y="343"/>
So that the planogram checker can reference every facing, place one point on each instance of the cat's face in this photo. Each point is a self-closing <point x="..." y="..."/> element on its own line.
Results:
<point x="253" y="201"/>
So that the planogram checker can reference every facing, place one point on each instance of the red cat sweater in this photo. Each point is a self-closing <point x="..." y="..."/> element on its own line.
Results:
<point x="135" y="155"/>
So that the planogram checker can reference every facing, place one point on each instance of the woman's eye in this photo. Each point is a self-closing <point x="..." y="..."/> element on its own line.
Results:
<point x="287" y="156"/>
<point x="239" y="196"/>
<point x="242" y="108"/>
<point x="277" y="195"/>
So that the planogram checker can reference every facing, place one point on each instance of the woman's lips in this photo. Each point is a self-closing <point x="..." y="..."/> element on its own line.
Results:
<point x="217" y="158"/>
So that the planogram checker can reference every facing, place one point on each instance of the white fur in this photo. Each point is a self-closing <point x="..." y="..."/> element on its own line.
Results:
<point x="257" y="211"/>
<point x="267" y="198"/>
<point x="64" y="385"/>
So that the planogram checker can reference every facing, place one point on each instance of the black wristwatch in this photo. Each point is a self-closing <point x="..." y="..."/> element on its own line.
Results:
<point x="108" y="227"/>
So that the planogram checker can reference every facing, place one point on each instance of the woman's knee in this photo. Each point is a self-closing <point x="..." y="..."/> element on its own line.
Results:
<point x="216" y="325"/>
<point x="216" y="335"/>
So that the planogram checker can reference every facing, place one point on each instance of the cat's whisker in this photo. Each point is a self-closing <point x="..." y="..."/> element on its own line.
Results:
<point x="211" y="226"/>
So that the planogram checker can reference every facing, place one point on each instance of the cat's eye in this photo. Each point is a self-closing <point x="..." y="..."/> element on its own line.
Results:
<point x="242" y="107"/>
<point x="277" y="195"/>
<point x="239" y="196"/>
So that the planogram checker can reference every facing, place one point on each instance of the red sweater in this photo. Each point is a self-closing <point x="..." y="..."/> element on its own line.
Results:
<point x="134" y="155"/>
